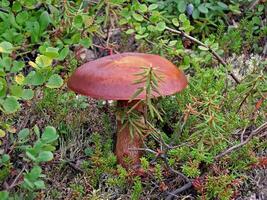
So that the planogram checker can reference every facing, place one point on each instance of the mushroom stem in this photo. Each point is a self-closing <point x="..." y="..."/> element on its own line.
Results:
<point x="125" y="144"/>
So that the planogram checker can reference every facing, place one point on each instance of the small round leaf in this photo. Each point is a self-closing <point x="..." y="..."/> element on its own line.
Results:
<point x="27" y="94"/>
<point x="2" y="133"/>
<point x="6" y="47"/>
<point x="202" y="8"/>
<point x="10" y="105"/>
<point x="55" y="81"/>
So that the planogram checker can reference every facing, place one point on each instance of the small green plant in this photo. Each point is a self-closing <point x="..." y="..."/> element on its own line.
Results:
<point x="144" y="163"/>
<point x="35" y="152"/>
<point x="121" y="179"/>
<point x="32" y="179"/>
<point x="137" y="189"/>
<point x="158" y="173"/>
<point x="191" y="169"/>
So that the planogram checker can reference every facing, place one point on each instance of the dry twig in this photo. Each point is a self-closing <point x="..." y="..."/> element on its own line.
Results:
<point x="15" y="181"/>
<point x="179" y="190"/>
<point x="217" y="56"/>
<point x="253" y="133"/>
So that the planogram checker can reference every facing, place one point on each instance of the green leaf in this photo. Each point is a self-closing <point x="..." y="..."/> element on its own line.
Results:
<point x="202" y="8"/>
<point x="86" y="42"/>
<point x="28" y="183"/>
<point x="161" y="26"/>
<point x="75" y="39"/>
<point x="175" y="22"/>
<point x="130" y="31"/>
<point x="186" y="60"/>
<point x="12" y="21"/>
<point x="5" y="158"/>
<point x="4" y="195"/>
<point x="45" y="156"/>
<point x="16" y="90"/>
<point x="34" y="174"/>
<point x="36" y="131"/>
<point x="51" y="52"/>
<point x="49" y="135"/>
<point x="6" y="62"/>
<point x="31" y="156"/>
<point x="6" y="47"/>
<point x="55" y="81"/>
<point x="143" y="8"/>
<point x="63" y="53"/>
<point x="16" y="7"/>
<point x="152" y="7"/>
<point x="136" y="93"/>
<point x="182" y="17"/>
<point x="10" y="105"/>
<point x="138" y="37"/>
<point x="39" y="184"/>
<point x="22" y="17"/>
<point x="27" y="94"/>
<point x="17" y="66"/>
<point x="235" y="8"/>
<point x="43" y="61"/>
<point x="45" y="20"/>
<point x="222" y="5"/>
<point x="215" y="46"/>
<point x="195" y="14"/>
<point x="172" y="43"/>
<point x="35" y="78"/>
<point x="3" y="87"/>
<point x="155" y="16"/>
<point x="181" y="6"/>
<point x="256" y="20"/>
<point x="2" y="133"/>
<point x="78" y="21"/>
<point x="34" y="29"/>
<point x="23" y="134"/>
<point x="89" y="151"/>
<point x="138" y="17"/>
<point x="151" y="28"/>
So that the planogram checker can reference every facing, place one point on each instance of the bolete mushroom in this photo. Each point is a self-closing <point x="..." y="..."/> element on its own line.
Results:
<point x="112" y="78"/>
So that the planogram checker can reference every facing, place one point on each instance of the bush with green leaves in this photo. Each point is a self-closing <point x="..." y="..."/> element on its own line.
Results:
<point x="32" y="152"/>
<point x="19" y="78"/>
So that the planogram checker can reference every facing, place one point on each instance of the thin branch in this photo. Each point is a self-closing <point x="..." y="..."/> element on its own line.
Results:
<point x="217" y="56"/>
<point x="242" y="134"/>
<point x="214" y="53"/>
<point x="242" y="143"/>
<point x="247" y="95"/>
<point x="164" y="157"/>
<point x="143" y="149"/>
<point x="15" y="181"/>
<point x="179" y="190"/>
<point x="253" y="4"/>
<point x="71" y="163"/>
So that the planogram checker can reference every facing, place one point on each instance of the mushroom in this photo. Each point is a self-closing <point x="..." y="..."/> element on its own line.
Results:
<point x="112" y="78"/>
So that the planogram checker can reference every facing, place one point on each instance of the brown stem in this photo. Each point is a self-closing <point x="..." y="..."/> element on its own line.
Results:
<point x="125" y="142"/>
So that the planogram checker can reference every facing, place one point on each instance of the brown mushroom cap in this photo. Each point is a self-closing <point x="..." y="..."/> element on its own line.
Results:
<point x="112" y="77"/>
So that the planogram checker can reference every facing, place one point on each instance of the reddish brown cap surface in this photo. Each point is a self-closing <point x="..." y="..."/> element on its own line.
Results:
<point x="112" y="77"/>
